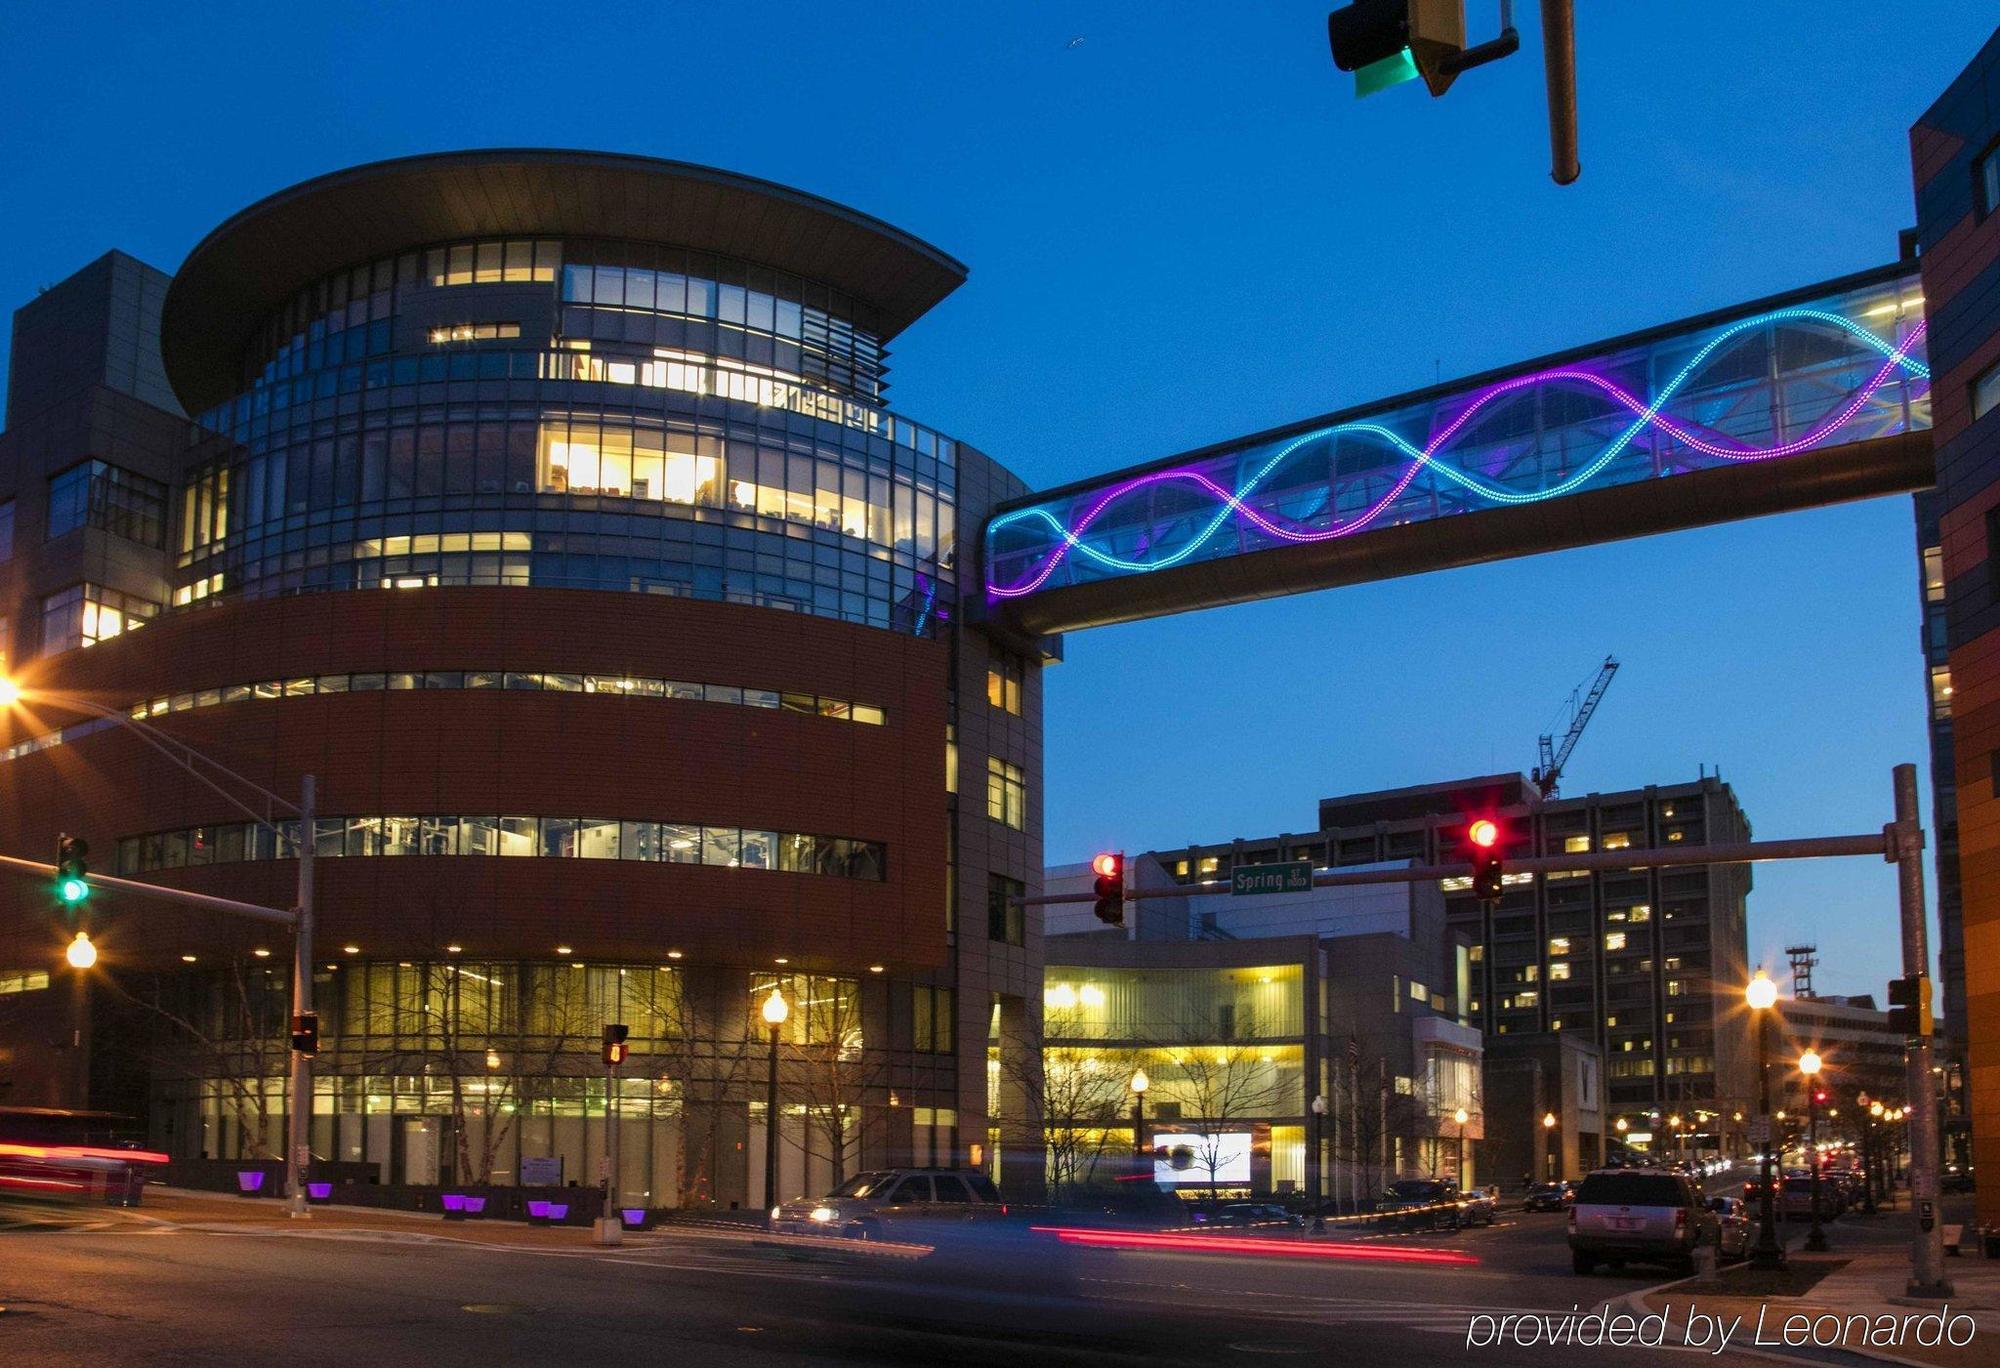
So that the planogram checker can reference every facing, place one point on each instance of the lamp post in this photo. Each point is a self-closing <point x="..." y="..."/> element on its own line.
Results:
<point x="775" y="1012"/>
<point x="1809" y="1065"/>
<point x="1139" y="1085"/>
<point x="1761" y="994"/>
<point x="211" y="773"/>
<point x="1551" y="1160"/>
<point x="1318" y="1109"/>
<point x="1461" y="1118"/>
<point x="1869" y="1175"/>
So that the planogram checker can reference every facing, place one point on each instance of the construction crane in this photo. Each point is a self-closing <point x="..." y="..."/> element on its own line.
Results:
<point x="1583" y="701"/>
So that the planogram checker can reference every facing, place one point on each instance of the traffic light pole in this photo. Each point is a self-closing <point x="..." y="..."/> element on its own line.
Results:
<point x="298" y="1116"/>
<point x="1927" y="1277"/>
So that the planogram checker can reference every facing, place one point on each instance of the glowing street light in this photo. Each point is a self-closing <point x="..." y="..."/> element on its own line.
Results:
<point x="81" y="954"/>
<point x="775" y="1011"/>
<point x="1762" y="995"/>
<point x="1139" y="1085"/>
<point x="1809" y="1065"/>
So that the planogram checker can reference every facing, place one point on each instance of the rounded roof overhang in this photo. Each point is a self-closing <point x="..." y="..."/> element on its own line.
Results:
<point x="247" y="268"/>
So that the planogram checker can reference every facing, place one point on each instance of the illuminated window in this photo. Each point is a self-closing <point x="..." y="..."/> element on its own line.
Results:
<point x="951" y="757"/>
<point x="931" y="1019"/>
<point x="1418" y="993"/>
<point x="1209" y="864"/>
<point x="1617" y="840"/>
<point x="1641" y="913"/>
<point x="1940" y="691"/>
<point x="1614" y="940"/>
<point x="1575" y="845"/>
<point x="1006" y="793"/>
<point x="1476" y="954"/>
<point x="1559" y="945"/>
<point x="1530" y="973"/>
<point x="22" y="980"/>
<point x="473" y="332"/>
<point x="1559" y="971"/>
<point x="491" y="263"/>
<point x="85" y="614"/>
<point x="1003" y="685"/>
<point x="1934" y="555"/>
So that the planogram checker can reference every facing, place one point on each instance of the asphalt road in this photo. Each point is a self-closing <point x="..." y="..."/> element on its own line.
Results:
<point x="125" y="1291"/>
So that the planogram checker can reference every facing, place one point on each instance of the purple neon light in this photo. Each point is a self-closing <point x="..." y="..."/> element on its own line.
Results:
<point x="319" y="1192"/>
<point x="250" y="1180"/>
<point x="454" y="1201"/>
<point x="1646" y="413"/>
<point x="634" y="1216"/>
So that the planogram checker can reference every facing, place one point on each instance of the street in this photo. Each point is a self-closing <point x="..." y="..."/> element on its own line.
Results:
<point x="130" y="1288"/>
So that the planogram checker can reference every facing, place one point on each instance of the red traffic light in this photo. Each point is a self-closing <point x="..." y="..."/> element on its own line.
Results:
<point x="1108" y="865"/>
<point x="1484" y="833"/>
<point x="1109" y="887"/>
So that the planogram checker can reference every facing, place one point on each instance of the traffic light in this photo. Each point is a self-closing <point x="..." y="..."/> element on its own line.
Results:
<point x="72" y="886"/>
<point x="1910" y="1006"/>
<point x="615" y="1048"/>
<point x="1387" y="42"/>
<point x="305" y="1033"/>
<point x="1484" y="837"/>
<point x="1110" y="887"/>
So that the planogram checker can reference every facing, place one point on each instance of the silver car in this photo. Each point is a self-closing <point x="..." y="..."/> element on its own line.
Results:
<point x="1734" y="1227"/>
<point x="869" y="1206"/>
<point x="1639" y="1215"/>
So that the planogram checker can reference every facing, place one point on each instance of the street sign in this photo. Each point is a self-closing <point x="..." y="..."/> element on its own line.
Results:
<point x="1294" y="876"/>
<point x="1759" y="1128"/>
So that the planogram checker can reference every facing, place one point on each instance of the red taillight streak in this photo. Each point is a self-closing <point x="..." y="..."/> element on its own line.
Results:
<point x="1204" y="1244"/>
<point x="81" y="1152"/>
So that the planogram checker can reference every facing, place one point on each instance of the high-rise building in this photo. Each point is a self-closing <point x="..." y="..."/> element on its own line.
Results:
<point x="546" y="507"/>
<point x="1955" y="162"/>
<point x="1647" y="964"/>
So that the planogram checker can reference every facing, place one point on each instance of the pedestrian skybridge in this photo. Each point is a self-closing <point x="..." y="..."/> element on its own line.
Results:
<point x="1810" y="398"/>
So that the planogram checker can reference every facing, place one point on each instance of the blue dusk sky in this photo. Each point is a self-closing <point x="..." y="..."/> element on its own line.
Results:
<point x="1182" y="227"/>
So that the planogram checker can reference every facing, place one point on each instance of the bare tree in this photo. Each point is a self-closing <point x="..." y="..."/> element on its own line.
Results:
<point x="230" y="1029"/>
<point x="824" y="1068"/>
<point x="1219" y="1084"/>
<point x="1079" y="1093"/>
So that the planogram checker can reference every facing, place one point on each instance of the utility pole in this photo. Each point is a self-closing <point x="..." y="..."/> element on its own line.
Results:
<point x="1906" y="846"/>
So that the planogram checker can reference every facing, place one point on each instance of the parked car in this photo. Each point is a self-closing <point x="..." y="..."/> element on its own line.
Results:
<point x="1735" y="1227"/>
<point x="1481" y="1206"/>
<point x="869" y="1205"/>
<point x="1639" y="1215"/>
<point x="1956" y="1178"/>
<point x="1795" y="1200"/>
<point x="1268" y="1214"/>
<point x="1420" y="1204"/>
<point x="1550" y="1196"/>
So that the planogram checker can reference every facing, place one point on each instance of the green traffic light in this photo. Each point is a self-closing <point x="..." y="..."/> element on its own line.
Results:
<point x="72" y="890"/>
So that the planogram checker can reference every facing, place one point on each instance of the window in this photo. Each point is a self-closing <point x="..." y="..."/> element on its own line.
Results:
<point x="22" y="980"/>
<point x="951" y="757"/>
<point x="1005" y="919"/>
<point x="111" y="498"/>
<point x="85" y="614"/>
<point x="1614" y="940"/>
<point x="1575" y="845"/>
<point x="1934" y="555"/>
<point x="1940" y="691"/>
<point x="1986" y="180"/>
<point x="1418" y="993"/>
<point x="7" y="530"/>
<point x="1006" y="793"/>
<point x="1559" y="971"/>
<point x="1003" y="685"/>
<point x="1617" y="840"/>
<point x="1986" y="391"/>
<point x="931" y="1019"/>
<point x="488" y="263"/>
<point x="473" y="332"/>
<point x="1559" y="945"/>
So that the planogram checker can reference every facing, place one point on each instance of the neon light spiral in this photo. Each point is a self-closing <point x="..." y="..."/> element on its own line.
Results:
<point x="1234" y="504"/>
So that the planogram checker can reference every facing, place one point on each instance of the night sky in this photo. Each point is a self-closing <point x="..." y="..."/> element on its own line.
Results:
<point x="1183" y="227"/>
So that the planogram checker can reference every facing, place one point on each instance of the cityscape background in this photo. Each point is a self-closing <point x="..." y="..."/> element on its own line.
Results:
<point x="1182" y="228"/>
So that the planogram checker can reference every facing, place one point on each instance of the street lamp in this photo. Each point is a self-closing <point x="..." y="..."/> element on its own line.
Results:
<point x="299" y="1111"/>
<point x="1318" y="1108"/>
<point x="81" y="954"/>
<point x="1809" y="1065"/>
<point x="1870" y="1159"/>
<point x="775" y="1012"/>
<point x="1139" y="1085"/>
<point x="1761" y="994"/>
<point x="1549" y="1129"/>
<point x="1461" y="1117"/>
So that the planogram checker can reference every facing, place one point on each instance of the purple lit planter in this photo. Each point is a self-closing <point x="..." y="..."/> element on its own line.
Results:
<point x="459" y="1205"/>
<point x="635" y="1217"/>
<point x="543" y="1212"/>
<point x="249" y="1182"/>
<point x="319" y="1192"/>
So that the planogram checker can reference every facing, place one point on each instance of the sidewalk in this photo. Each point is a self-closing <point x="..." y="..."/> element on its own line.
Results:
<point x="221" y="1213"/>
<point x="1864" y="1274"/>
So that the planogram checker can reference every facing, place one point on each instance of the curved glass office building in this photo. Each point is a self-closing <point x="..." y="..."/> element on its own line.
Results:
<point x="546" y="507"/>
